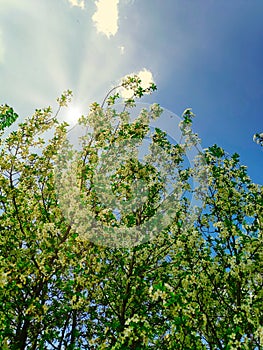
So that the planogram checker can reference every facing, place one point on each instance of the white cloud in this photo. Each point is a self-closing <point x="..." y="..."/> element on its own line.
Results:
<point x="77" y="3"/>
<point x="146" y="79"/>
<point x="106" y="17"/>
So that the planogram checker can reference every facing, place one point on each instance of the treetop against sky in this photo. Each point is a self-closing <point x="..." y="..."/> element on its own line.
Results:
<point x="78" y="268"/>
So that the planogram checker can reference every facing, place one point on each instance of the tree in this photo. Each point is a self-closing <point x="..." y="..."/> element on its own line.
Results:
<point x="194" y="282"/>
<point x="223" y="294"/>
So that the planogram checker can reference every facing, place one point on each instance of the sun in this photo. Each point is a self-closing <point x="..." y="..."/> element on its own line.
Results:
<point x="72" y="113"/>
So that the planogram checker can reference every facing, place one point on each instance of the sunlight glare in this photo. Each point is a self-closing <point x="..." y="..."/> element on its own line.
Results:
<point x="72" y="113"/>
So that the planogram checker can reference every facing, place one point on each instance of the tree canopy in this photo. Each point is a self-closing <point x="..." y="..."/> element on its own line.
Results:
<point x="125" y="279"/>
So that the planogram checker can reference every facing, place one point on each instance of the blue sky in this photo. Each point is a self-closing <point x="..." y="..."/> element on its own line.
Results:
<point x="203" y="54"/>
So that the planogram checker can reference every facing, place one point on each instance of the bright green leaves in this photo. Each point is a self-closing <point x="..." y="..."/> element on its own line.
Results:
<point x="233" y="237"/>
<point x="133" y="84"/>
<point x="112" y="99"/>
<point x="216" y="151"/>
<point x="65" y="98"/>
<point x="7" y="116"/>
<point x="188" y="116"/>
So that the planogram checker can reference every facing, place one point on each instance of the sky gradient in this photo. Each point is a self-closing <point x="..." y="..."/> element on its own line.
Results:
<point x="207" y="55"/>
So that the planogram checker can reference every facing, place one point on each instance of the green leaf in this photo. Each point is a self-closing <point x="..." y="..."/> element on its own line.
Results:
<point x="7" y="116"/>
<point x="216" y="151"/>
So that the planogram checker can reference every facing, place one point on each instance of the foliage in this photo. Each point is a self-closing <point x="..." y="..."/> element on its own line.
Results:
<point x="197" y="284"/>
<point x="258" y="138"/>
<point x="7" y="116"/>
